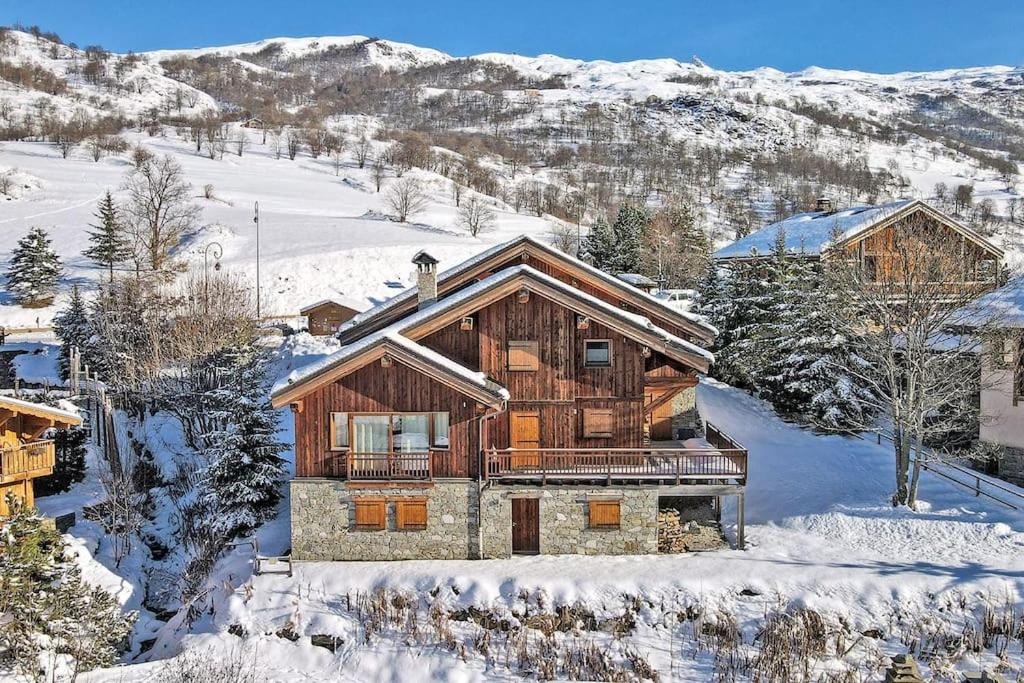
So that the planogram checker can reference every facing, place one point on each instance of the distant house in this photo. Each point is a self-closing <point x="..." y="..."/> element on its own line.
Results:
<point x="24" y="455"/>
<point x="253" y="123"/>
<point x="866" y="234"/>
<point x="505" y="406"/>
<point x="327" y="316"/>
<point x="1002" y="367"/>
<point x="641" y="282"/>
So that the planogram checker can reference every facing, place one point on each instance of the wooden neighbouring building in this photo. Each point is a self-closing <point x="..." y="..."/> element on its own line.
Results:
<point x="326" y="317"/>
<point x="24" y="453"/>
<point x="868" y="234"/>
<point x="519" y="402"/>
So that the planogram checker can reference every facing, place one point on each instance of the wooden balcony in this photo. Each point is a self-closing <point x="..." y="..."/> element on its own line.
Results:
<point x="408" y="466"/>
<point x="724" y="462"/>
<point x="32" y="460"/>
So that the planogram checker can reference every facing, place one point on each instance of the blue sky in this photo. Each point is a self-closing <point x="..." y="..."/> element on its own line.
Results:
<point x="872" y="35"/>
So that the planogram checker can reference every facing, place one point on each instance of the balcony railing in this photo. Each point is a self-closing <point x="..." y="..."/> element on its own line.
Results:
<point x="377" y="466"/>
<point x="35" y="459"/>
<point x="724" y="462"/>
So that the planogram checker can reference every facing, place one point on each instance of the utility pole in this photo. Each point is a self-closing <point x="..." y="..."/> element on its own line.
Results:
<point x="256" y="220"/>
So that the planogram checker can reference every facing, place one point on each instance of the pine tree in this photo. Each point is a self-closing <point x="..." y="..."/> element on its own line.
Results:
<point x="69" y="467"/>
<point x="599" y="245"/>
<point x="245" y="469"/>
<point x="34" y="270"/>
<point x="629" y="229"/>
<point x="110" y="245"/>
<point x="74" y="330"/>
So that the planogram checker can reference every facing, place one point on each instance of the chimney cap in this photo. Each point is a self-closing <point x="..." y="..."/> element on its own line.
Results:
<point x="422" y="258"/>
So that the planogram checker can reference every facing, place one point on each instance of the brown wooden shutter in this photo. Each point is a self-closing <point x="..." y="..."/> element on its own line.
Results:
<point x="411" y="515"/>
<point x="523" y="355"/>
<point x="371" y="514"/>
<point x="598" y="422"/>
<point x="604" y="514"/>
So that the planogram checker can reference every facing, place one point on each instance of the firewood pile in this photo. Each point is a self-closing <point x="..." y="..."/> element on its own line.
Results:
<point x="677" y="536"/>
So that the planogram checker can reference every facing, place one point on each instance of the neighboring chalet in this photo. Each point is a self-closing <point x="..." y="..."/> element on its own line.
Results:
<point x="326" y="317"/>
<point x="641" y="282"/>
<point x="24" y="455"/>
<point x="505" y="406"/>
<point x="866" y="233"/>
<point x="1002" y="367"/>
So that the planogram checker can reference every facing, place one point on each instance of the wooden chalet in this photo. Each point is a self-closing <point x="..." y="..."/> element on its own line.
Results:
<point x="506" y="406"/>
<point x="867" y="234"/>
<point x="24" y="454"/>
<point x="327" y="316"/>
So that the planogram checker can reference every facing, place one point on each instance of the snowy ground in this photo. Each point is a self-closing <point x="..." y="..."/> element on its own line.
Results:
<point x="821" y="536"/>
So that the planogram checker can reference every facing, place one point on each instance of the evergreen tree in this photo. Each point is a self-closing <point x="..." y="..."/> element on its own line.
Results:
<point x="245" y="470"/>
<point x="46" y="608"/>
<point x="599" y="245"/>
<point x="69" y="467"/>
<point x="34" y="270"/>
<point x="629" y="230"/>
<point x="110" y="245"/>
<point x="74" y="330"/>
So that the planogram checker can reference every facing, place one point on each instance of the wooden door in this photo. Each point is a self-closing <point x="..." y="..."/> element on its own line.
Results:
<point x="524" y="431"/>
<point x="660" y="416"/>
<point x="525" y="526"/>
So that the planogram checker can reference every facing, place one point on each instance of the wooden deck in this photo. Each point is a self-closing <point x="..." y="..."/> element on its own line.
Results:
<point x="32" y="460"/>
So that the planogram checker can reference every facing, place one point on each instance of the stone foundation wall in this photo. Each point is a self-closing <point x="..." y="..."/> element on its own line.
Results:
<point x="684" y="413"/>
<point x="323" y="523"/>
<point x="1011" y="467"/>
<point x="564" y="524"/>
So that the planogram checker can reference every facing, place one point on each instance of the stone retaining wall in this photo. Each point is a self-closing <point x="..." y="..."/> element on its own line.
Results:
<point x="564" y="524"/>
<point x="323" y="523"/>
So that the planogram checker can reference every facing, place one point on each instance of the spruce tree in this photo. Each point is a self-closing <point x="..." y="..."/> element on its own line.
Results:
<point x="110" y="245"/>
<point x="629" y="230"/>
<point x="73" y="328"/>
<point x="34" y="270"/>
<point x="69" y="467"/>
<point x="599" y="245"/>
<point x="245" y="470"/>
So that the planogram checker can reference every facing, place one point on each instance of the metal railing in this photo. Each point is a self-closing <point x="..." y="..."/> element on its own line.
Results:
<point x="31" y="457"/>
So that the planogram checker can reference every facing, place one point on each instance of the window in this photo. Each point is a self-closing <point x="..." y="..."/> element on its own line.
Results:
<point x="371" y="514"/>
<point x="523" y="356"/>
<point x="597" y="422"/>
<point x="597" y="353"/>
<point x="339" y="431"/>
<point x="389" y="432"/>
<point x="604" y="514"/>
<point x="411" y="514"/>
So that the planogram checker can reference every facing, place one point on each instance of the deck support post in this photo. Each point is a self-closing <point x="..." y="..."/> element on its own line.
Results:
<point x="741" y="540"/>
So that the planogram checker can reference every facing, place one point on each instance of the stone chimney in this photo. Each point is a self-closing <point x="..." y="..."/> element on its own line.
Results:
<point x="824" y="205"/>
<point x="426" y="278"/>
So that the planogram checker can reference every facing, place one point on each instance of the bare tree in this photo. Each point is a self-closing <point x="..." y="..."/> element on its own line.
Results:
<point x="378" y="172"/>
<point x="361" y="150"/>
<point x="292" y="142"/>
<point x="158" y="209"/>
<point x="475" y="216"/>
<point x="407" y="198"/>
<point x="911" y="308"/>
<point x="241" y="140"/>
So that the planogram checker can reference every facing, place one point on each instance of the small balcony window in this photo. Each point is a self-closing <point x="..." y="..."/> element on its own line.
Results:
<point x="597" y="353"/>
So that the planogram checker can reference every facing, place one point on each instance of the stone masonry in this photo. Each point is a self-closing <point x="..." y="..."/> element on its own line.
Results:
<point x="684" y="413"/>
<point x="564" y="528"/>
<point x="323" y="523"/>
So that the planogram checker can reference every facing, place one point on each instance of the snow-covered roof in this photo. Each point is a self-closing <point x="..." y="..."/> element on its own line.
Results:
<point x="337" y="300"/>
<point x="410" y="293"/>
<point x="1003" y="306"/>
<point x="397" y="330"/>
<point x="21" y="406"/>
<point x="637" y="280"/>
<point x="813" y="231"/>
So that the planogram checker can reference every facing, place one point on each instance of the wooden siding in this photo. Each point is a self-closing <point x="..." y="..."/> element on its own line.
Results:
<point x="375" y="389"/>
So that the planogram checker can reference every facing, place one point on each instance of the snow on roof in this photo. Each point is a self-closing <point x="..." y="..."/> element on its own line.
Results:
<point x="29" y="406"/>
<point x="469" y="263"/>
<point x="813" y="231"/>
<point x="637" y="280"/>
<point x="1003" y="306"/>
<point x="395" y="331"/>
<point x="338" y="300"/>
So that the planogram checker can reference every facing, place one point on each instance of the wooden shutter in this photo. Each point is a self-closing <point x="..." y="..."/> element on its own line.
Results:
<point x="523" y="355"/>
<point x="598" y="422"/>
<point x="604" y="514"/>
<point x="411" y="515"/>
<point x="371" y="514"/>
